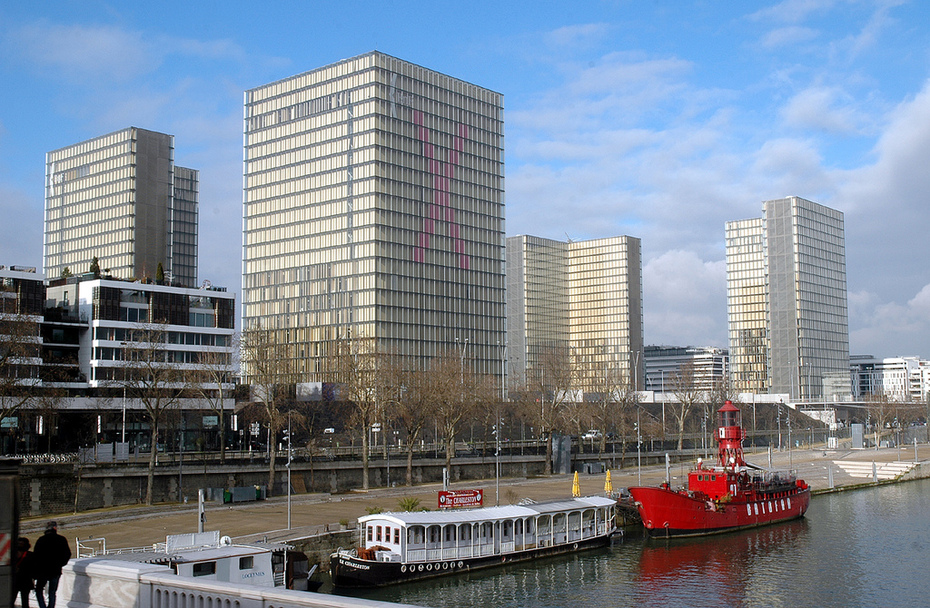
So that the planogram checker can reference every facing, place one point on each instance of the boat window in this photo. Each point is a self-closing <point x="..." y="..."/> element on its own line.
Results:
<point x="204" y="568"/>
<point x="368" y="528"/>
<point x="247" y="562"/>
<point x="396" y="536"/>
<point x="450" y="533"/>
<point x="713" y="478"/>
<point x="378" y="534"/>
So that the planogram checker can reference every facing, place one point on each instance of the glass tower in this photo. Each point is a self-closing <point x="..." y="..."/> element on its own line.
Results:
<point x="120" y="198"/>
<point x="786" y="281"/>
<point x="374" y="208"/>
<point x="585" y="296"/>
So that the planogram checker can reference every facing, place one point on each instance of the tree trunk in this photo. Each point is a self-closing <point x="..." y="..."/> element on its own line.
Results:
<point x="365" y="457"/>
<point x="153" y="454"/>
<point x="450" y="452"/>
<point x="272" y="457"/>
<point x="409" y="463"/>
<point x="548" y="469"/>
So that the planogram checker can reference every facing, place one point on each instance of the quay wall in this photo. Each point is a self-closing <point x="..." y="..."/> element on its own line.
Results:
<point x="47" y="489"/>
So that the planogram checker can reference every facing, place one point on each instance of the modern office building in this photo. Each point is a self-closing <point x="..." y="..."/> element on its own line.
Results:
<point x="902" y="379"/>
<point x="787" y="302"/>
<point x="374" y="208"/>
<point x="120" y="198"/>
<point x="664" y="365"/>
<point x="583" y="296"/>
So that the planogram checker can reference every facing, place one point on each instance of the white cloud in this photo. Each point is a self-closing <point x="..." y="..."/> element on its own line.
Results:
<point x="822" y="109"/>
<point x="107" y="53"/>
<point x="684" y="300"/>
<point x="788" y="36"/>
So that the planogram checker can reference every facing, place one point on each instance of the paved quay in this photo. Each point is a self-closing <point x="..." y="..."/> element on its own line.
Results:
<point x="139" y="526"/>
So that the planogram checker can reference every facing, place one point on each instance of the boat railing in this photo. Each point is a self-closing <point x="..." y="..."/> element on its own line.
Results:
<point x="508" y="547"/>
<point x="486" y="549"/>
<point x="450" y="553"/>
<point x="433" y="554"/>
<point x="416" y="555"/>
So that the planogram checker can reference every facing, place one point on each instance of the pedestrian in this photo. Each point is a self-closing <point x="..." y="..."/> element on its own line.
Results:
<point x="24" y="571"/>
<point x="51" y="554"/>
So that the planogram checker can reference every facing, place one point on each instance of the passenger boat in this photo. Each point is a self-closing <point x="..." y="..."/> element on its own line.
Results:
<point x="733" y="494"/>
<point x="400" y="547"/>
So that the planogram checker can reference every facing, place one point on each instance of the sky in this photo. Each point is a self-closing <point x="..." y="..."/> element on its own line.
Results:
<point x="657" y="119"/>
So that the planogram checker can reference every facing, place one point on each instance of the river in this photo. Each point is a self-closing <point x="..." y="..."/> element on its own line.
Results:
<point x="868" y="547"/>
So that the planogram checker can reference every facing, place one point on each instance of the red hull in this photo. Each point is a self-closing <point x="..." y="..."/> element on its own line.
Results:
<point x="666" y="512"/>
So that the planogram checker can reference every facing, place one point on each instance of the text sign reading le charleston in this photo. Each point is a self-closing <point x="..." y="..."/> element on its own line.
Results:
<point x="452" y="499"/>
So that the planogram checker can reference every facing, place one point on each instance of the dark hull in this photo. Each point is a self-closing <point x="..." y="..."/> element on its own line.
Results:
<point x="666" y="513"/>
<point x="350" y="571"/>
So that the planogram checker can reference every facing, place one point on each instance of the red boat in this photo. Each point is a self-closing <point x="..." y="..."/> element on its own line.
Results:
<point x="733" y="494"/>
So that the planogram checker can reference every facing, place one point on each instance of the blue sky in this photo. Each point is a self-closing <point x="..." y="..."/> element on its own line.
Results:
<point x="660" y="119"/>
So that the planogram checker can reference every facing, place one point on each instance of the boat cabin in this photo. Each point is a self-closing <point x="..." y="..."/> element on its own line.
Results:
<point x="466" y="533"/>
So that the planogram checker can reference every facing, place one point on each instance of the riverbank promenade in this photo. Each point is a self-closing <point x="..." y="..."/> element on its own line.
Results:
<point x="313" y="514"/>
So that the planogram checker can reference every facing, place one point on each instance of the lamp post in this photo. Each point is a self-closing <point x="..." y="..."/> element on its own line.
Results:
<point x="288" y="470"/>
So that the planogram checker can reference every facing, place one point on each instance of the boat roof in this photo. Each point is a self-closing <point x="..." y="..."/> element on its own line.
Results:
<point x="458" y="516"/>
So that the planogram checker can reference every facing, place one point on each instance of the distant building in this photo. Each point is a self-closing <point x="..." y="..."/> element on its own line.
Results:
<point x="585" y="297"/>
<point x="664" y="364"/>
<point x="79" y="334"/>
<point x="374" y="208"/>
<point x="22" y="301"/>
<point x="895" y="378"/>
<point x="120" y="198"/>
<point x="787" y="302"/>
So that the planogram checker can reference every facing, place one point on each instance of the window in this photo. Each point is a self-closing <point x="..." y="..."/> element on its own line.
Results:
<point x="369" y="528"/>
<point x="247" y="563"/>
<point x="205" y="569"/>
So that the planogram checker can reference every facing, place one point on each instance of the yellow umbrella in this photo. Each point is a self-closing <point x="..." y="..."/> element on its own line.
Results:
<point x="576" y="488"/>
<point x="608" y="485"/>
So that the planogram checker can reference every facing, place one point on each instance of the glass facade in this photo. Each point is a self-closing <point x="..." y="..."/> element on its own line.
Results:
<point x="746" y="297"/>
<point x="373" y="207"/>
<point x="114" y="197"/>
<point x="797" y="254"/>
<point x="584" y="295"/>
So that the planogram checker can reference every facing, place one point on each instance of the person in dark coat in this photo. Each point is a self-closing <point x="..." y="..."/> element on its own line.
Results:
<point x="24" y="571"/>
<point x="51" y="554"/>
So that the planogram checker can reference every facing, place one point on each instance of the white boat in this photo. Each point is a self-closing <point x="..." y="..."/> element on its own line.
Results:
<point x="404" y="546"/>
<point x="209" y="557"/>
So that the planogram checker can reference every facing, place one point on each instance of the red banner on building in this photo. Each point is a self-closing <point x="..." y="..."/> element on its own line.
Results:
<point x="454" y="499"/>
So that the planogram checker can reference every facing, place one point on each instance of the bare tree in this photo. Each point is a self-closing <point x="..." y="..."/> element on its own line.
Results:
<point x="360" y="373"/>
<point x="270" y="377"/>
<point x="154" y="381"/>
<point x="412" y="408"/>
<point x="687" y="395"/>
<point x="452" y="390"/>
<point x="549" y="388"/>
<point x="208" y="380"/>
<point x="19" y="351"/>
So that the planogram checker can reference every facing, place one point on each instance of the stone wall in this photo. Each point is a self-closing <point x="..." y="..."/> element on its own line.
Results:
<point x="47" y="489"/>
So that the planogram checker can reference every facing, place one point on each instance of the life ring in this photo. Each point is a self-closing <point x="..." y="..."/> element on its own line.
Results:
<point x="420" y="567"/>
<point x="575" y="547"/>
<point x="445" y="565"/>
<point x="460" y="563"/>
<point x="403" y="568"/>
<point x="429" y="566"/>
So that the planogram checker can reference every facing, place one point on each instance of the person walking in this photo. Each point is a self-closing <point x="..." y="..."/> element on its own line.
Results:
<point x="25" y="571"/>
<point x="51" y="553"/>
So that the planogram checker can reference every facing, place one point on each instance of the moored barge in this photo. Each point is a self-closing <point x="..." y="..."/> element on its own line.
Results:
<point x="405" y="546"/>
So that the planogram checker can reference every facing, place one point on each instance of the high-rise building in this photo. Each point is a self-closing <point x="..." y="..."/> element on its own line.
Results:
<point x="374" y="208"/>
<point x="787" y="302"/>
<point x="664" y="367"/>
<point x="120" y="198"/>
<point x="584" y="297"/>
